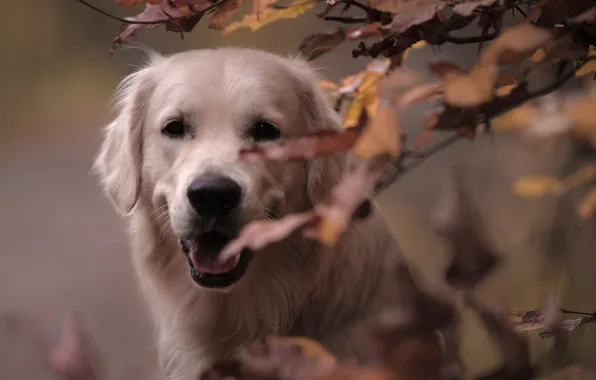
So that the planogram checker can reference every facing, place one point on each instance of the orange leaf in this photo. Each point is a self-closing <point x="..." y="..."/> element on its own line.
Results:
<point x="587" y="206"/>
<point x="270" y="14"/>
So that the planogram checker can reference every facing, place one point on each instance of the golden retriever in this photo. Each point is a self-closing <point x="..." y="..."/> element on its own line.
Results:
<point x="169" y="162"/>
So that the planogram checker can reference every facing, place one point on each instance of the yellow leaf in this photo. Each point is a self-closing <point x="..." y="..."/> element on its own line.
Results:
<point x="514" y="44"/>
<point x="589" y="67"/>
<point x="223" y="13"/>
<point x="381" y="136"/>
<point x="505" y="90"/>
<point x="269" y="15"/>
<point x="587" y="206"/>
<point x="585" y="174"/>
<point x="538" y="55"/>
<point x="469" y="90"/>
<point x="517" y="118"/>
<point x="327" y="85"/>
<point x="535" y="186"/>
<point x="353" y="113"/>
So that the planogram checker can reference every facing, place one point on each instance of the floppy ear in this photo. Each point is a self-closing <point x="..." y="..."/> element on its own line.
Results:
<point x="325" y="172"/>
<point x="118" y="163"/>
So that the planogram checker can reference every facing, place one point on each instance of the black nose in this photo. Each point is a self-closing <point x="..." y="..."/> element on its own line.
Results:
<point x="213" y="194"/>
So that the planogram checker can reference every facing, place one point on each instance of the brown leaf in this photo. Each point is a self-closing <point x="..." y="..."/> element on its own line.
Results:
<point x="133" y="3"/>
<point x="587" y="206"/>
<point x="383" y="135"/>
<point x="588" y="17"/>
<point x="306" y="147"/>
<point x="260" y="233"/>
<point x="514" y="44"/>
<point x="466" y="8"/>
<point x="296" y="358"/>
<point x="409" y="13"/>
<point x="337" y="212"/>
<point x="318" y="44"/>
<point x="456" y="218"/>
<point x="271" y="14"/>
<point x="223" y="14"/>
<point x="365" y="31"/>
<point x="162" y="13"/>
<point x="589" y="67"/>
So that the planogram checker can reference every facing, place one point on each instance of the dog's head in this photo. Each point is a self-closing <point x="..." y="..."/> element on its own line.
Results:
<point x="182" y="121"/>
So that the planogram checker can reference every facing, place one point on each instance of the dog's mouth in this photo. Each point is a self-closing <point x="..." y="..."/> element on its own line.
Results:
<point x="205" y="268"/>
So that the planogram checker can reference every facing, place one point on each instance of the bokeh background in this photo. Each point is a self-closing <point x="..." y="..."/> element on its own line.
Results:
<point x="63" y="248"/>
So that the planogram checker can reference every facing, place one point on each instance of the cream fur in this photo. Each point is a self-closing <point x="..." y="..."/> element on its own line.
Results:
<point x="295" y="287"/>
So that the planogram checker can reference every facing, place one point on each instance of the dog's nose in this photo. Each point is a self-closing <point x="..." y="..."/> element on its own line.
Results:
<point x="213" y="194"/>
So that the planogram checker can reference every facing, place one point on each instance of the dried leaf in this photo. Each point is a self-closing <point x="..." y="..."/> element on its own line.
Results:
<point x="535" y="186"/>
<point x="365" y="31"/>
<point x="464" y="89"/>
<point x="589" y="67"/>
<point x="260" y="233"/>
<point x="456" y="218"/>
<point x="318" y="44"/>
<point x="133" y="3"/>
<point x="364" y="87"/>
<point x="408" y="13"/>
<point x="466" y="8"/>
<point x="383" y="135"/>
<point x="304" y="148"/>
<point x="177" y="16"/>
<point x="271" y="14"/>
<point x="514" y="44"/>
<point x="588" y="17"/>
<point x="224" y="12"/>
<point x="587" y="206"/>
<point x="337" y="212"/>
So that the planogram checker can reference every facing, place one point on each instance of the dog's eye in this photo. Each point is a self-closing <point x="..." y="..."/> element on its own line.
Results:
<point x="264" y="131"/>
<point x="174" y="129"/>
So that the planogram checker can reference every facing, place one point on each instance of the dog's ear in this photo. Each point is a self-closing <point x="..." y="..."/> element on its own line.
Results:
<point x="118" y="163"/>
<point x="323" y="173"/>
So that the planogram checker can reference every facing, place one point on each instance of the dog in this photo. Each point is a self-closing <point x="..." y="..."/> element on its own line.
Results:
<point x="169" y="163"/>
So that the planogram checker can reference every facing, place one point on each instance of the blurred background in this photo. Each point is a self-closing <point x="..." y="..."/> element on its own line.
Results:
<point x="63" y="248"/>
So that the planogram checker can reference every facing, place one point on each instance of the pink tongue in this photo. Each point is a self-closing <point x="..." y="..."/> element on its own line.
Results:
<point x="212" y="266"/>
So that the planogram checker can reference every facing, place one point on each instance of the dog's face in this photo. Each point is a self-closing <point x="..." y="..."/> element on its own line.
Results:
<point x="183" y="120"/>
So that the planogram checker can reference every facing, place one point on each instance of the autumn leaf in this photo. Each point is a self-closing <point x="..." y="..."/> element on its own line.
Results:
<point x="363" y="86"/>
<point x="337" y="211"/>
<point x="408" y="13"/>
<point x="318" y="44"/>
<point x="535" y="186"/>
<point x="365" y="31"/>
<point x="514" y="44"/>
<point x="260" y="233"/>
<point x="271" y="14"/>
<point x="456" y="218"/>
<point x="590" y="66"/>
<point x="223" y="13"/>
<point x="133" y="3"/>
<point x="154" y="15"/>
<point x="466" y="8"/>
<point x="317" y="144"/>
<point x="587" y="206"/>
<point x="382" y="135"/>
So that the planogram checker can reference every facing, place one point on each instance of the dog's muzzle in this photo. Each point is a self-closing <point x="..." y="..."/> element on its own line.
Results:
<point x="215" y="200"/>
